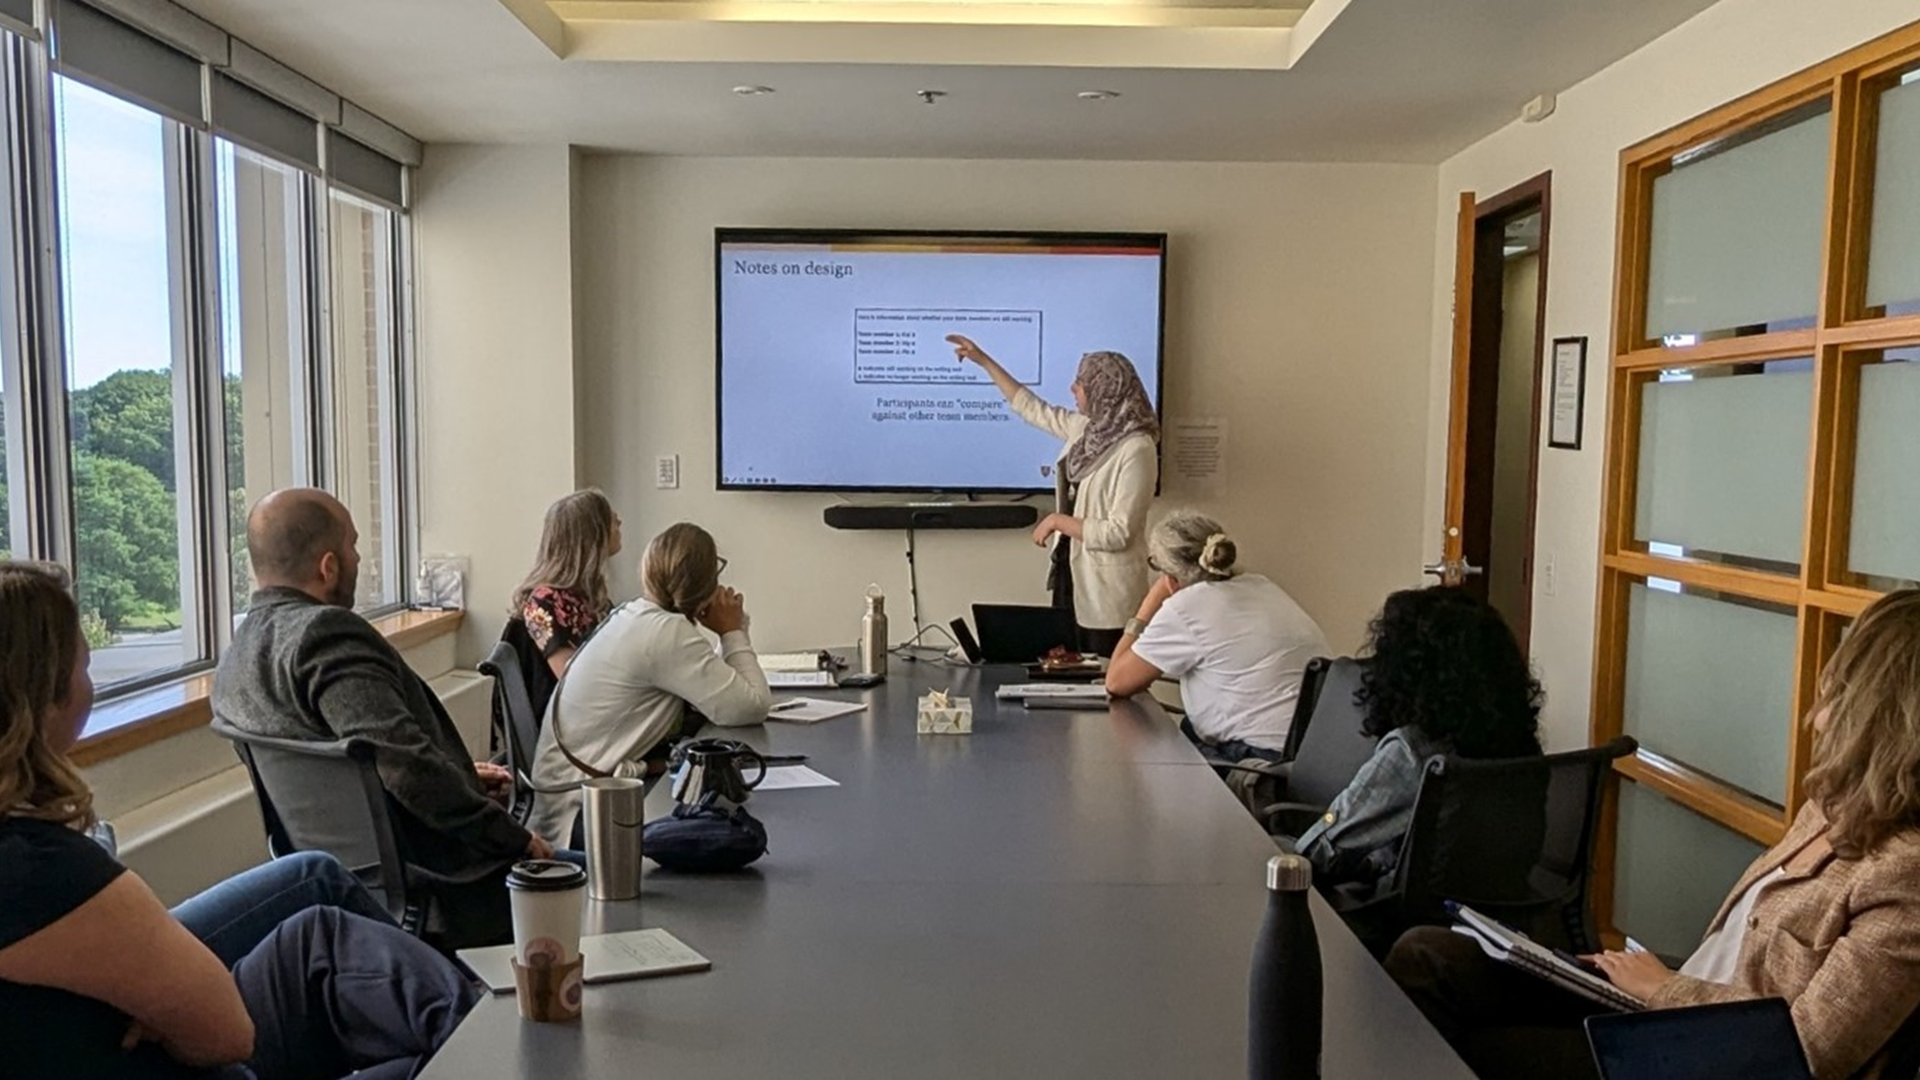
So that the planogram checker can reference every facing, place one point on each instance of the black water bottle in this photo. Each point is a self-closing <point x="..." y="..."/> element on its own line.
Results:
<point x="1283" y="1015"/>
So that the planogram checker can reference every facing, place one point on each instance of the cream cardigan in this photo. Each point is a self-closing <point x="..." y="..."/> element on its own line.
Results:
<point x="1110" y="560"/>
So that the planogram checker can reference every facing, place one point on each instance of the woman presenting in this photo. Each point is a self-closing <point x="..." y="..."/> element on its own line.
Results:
<point x="1105" y="480"/>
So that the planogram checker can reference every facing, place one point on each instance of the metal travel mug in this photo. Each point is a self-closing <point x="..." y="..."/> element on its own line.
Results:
<point x="615" y="807"/>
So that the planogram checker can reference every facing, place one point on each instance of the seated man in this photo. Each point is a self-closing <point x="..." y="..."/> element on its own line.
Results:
<point x="304" y="666"/>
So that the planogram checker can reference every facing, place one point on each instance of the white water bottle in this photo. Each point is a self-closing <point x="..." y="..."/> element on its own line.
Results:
<point x="873" y="633"/>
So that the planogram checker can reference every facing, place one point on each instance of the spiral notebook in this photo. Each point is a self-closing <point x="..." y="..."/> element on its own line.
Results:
<point x="1510" y="946"/>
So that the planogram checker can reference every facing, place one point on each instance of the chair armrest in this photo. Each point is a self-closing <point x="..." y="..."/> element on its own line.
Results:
<point x="1278" y="770"/>
<point x="1289" y="818"/>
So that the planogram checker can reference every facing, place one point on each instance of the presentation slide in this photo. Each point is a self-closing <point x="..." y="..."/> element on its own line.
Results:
<point x="835" y="371"/>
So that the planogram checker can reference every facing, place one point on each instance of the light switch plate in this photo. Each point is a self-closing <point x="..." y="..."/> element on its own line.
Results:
<point x="667" y="471"/>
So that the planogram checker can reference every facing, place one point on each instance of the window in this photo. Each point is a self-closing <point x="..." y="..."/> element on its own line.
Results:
<point x="121" y="233"/>
<point x="194" y="311"/>
<point x="1760" y="484"/>
<point x="366" y="453"/>
<point x="264" y="250"/>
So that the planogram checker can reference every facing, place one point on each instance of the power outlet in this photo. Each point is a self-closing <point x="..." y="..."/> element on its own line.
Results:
<point x="1547" y="584"/>
<point x="666" y="471"/>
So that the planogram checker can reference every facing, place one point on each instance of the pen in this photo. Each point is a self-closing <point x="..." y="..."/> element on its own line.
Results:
<point x="783" y="759"/>
<point x="785" y="705"/>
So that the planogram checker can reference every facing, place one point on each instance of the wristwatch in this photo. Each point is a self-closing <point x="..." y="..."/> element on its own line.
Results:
<point x="1135" y="627"/>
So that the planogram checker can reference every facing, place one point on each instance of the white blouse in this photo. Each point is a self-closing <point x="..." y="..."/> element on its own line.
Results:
<point x="1719" y="955"/>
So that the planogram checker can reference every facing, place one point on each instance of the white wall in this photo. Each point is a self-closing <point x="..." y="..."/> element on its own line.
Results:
<point x="1297" y="309"/>
<point x="493" y="236"/>
<point x="1731" y="49"/>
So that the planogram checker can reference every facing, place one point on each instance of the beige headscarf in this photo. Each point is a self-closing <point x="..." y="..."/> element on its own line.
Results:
<point x="1117" y="407"/>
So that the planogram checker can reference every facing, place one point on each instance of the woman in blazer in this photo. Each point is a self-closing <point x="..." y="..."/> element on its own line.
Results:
<point x="1829" y="919"/>
<point x="1106" y="474"/>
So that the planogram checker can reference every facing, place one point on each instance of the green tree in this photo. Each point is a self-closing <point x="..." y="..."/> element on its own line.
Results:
<point x="127" y="545"/>
<point x="128" y="415"/>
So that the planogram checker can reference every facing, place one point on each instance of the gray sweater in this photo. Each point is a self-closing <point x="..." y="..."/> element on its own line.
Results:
<point x="301" y="669"/>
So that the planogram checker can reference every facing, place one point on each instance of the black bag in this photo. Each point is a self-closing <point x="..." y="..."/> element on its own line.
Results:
<point x="704" y="839"/>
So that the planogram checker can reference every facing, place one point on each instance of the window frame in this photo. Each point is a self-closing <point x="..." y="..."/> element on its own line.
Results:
<point x="34" y="347"/>
<point x="1825" y="595"/>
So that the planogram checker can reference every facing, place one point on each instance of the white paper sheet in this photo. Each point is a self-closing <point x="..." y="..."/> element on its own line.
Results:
<point x="806" y="710"/>
<point x="781" y="777"/>
<point x="791" y="680"/>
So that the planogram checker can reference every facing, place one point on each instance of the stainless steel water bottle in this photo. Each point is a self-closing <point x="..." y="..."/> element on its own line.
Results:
<point x="1283" y="995"/>
<point x="873" y="633"/>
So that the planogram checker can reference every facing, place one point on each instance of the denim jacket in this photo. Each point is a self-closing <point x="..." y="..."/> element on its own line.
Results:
<point x="1358" y="838"/>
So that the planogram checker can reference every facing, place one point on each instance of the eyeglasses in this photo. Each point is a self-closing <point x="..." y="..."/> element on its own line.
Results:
<point x="1153" y="564"/>
<point x="723" y="565"/>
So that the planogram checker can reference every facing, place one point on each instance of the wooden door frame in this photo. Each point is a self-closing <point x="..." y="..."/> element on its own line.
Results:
<point x="1479" y="288"/>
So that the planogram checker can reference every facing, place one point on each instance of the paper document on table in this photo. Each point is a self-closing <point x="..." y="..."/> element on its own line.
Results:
<point x="1022" y="691"/>
<point x="636" y="954"/>
<point x="806" y="710"/>
<point x="791" y="661"/>
<point x="780" y="777"/>
<point x="794" y="680"/>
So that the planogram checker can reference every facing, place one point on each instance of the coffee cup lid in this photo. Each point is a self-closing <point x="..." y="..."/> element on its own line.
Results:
<point x="545" y="875"/>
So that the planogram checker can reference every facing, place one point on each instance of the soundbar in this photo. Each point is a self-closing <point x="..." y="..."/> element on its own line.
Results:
<point x="902" y="516"/>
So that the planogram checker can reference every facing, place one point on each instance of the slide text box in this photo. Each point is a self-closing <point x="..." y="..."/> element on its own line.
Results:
<point x="908" y="346"/>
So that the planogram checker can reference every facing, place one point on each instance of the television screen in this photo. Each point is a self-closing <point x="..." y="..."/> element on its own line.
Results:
<point x="835" y="373"/>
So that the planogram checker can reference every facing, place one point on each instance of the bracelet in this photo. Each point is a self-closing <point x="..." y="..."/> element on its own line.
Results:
<point x="1135" y="627"/>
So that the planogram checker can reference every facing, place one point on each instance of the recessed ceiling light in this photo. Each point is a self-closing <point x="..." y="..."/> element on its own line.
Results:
<point x="752" y="91"/>
<point x="1097" y="95"/>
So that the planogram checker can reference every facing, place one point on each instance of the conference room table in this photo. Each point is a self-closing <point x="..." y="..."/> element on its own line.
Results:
<point x="1060" y="894"/>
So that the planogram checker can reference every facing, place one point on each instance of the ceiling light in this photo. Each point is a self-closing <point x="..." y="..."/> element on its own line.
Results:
<point x="1097" y="95"/>
<point x="752" y="91"/>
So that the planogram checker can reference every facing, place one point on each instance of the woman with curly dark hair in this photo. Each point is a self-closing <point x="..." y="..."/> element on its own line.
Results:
<point x="1442" y="675"/>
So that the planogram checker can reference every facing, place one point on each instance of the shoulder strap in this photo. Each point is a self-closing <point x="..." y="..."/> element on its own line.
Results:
<point x="560" y="686"/>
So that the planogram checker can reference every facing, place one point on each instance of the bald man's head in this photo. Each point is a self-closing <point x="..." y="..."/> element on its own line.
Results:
<point x="303" y="538"/>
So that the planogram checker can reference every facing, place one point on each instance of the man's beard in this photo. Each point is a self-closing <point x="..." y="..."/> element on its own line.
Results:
<point x="343" y="591"/>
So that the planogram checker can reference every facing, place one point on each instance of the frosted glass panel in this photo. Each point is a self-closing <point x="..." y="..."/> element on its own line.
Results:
<point x="1723" y="462"/>
<point x="1886" y="486"/>
<point x="1672" y="870"/>
<point x="1893" y="266"/>
<point x="1737" y="236"/>
<point x="1710" y="684"/>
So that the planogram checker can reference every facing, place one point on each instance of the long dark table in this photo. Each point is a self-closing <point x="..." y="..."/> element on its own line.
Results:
<point x="1059" y="894"/>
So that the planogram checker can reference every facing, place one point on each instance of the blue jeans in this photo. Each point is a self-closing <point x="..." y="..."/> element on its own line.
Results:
<point x="332" y="994"/>
<point x="235" y="916"/>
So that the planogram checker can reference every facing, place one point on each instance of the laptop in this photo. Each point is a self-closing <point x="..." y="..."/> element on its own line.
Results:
<point x="1020" y="634"/>
<point x="1741" y="1040"/>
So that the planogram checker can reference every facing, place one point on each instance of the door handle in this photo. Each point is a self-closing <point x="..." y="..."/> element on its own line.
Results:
<point x="1438" y="569"/>
<point x="1471" y="570"/>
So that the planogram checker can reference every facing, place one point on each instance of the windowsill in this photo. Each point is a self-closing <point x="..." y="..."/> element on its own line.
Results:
<point x="148" y="716"/>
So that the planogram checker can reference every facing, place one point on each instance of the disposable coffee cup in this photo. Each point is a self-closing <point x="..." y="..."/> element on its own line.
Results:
<point x="548" y="970"/>
<point x="548" y="896"/>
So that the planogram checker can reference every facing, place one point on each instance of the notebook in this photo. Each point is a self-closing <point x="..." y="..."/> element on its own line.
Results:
<point x="636" y="954"/>
<point x="1740" y="1040"/>
<point x="1510" y="946"/>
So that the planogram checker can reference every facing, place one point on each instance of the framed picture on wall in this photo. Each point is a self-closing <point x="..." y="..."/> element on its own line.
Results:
<point x="1569" y="386"/>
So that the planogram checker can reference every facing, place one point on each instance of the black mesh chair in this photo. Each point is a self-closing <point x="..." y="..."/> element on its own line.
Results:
<point x="327" y="796"/>
<point x="516" y="726"/>
<point x="1511" y="838"/>
<point x="1332" y="748"/>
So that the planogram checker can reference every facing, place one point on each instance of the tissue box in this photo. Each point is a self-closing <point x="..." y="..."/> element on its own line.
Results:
<point x="953" y="718"/>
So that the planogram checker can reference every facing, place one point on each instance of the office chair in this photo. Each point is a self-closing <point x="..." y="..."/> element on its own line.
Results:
<point x="1332" y="748"/>
<point x="516" y="727"/>
<point x="327" y="796"/>
<point x="1511" y="838"/>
